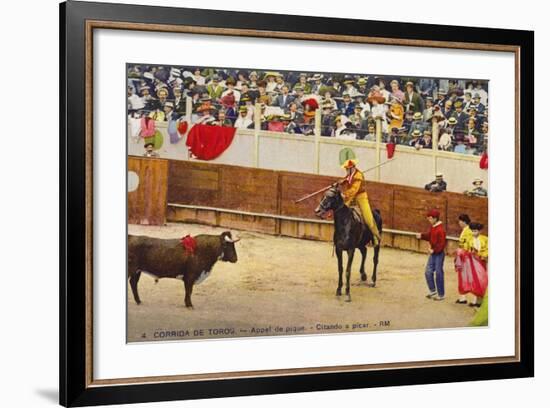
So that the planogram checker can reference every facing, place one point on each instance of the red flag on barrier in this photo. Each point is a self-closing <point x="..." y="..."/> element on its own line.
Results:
<point x="182" y="127"/>
<point x="208" y="142"/>
<point x="390" y="149"/>
<point x="484" y="161"/>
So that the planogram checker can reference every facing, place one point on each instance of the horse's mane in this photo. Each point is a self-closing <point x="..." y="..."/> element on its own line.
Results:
<point x="332" y="191"/>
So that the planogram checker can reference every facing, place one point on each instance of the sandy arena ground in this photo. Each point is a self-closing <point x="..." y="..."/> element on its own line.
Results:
<point x="283" y="286"/>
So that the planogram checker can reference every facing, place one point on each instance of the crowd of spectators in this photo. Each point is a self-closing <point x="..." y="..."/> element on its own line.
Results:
<point x="409" y="108"/>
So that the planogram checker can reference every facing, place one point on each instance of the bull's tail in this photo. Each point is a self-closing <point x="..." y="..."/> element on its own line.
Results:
<point x="134" y="279"/>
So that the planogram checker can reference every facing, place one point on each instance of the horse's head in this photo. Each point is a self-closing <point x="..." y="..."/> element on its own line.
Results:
<point x="332" y="200"/>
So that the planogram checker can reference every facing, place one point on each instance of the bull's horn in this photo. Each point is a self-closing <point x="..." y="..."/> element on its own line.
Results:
<point x="228" y="239"/>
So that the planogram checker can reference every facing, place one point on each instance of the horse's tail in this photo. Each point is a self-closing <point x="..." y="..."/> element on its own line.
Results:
<point x="378" y="219"/>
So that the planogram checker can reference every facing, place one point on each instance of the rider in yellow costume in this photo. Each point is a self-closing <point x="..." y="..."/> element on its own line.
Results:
<point x="353" y="188"/>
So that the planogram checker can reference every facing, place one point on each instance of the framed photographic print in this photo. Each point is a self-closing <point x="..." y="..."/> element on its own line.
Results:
<point x="256" y="203"/>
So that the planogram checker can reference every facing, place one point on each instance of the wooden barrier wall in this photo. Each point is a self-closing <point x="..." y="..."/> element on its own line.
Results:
<point x="273" y="192"/>
<point x="147" y="204"/>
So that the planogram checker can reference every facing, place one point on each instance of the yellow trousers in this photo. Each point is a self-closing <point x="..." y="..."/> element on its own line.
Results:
<point x="363" y="201"/>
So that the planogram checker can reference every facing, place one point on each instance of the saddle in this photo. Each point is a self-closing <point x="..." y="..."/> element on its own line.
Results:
<point x="357" y="215"/>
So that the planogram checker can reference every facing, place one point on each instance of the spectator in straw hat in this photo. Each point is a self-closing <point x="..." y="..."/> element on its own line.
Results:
<point x="477" y="190"/>
<point x="328" y="116"/>
<point x="425" y="141"/>
<point x="415" y="136"/>
<point x="243" y="121"/>
<point x="452" y="125"/>
<point x="362" y="85"/>
<point x="441" y="99"/>
<point x="145" y="92"/>
<point x="417" y="123"/>
<point x="438" y="185"/>
<point x="357" y="118"/>
<point x="162" y="95"/>
<point x="271" y="83"/>
<point x="150" y="150"/>
<point x="316" y="79"/>
<point x="349" y="85"/>
<point x="169" y="113"/>
<point x="459" y="114"/>
<point x="348" y="107"/>
<point x="436" y="236"/>
<point x="476" y="103"/>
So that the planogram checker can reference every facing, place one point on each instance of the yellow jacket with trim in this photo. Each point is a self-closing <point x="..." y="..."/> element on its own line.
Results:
<point x="465" y="237"/>
<point x="353" y="189"/>
<point x="483" y="251"/>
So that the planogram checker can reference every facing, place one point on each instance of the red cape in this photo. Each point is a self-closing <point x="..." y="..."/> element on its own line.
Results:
<point x="208" y="142"/>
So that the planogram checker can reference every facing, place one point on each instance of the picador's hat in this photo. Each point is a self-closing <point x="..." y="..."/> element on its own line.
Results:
<point x="347" y="158"/>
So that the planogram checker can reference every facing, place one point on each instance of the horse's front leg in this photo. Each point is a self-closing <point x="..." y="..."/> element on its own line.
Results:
<point x="363" y="258"/>
<point x="340" y="271"/>
<point x="348" y="273"/>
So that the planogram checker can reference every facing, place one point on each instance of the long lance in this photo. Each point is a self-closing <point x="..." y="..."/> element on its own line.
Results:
<point x="339" y="182"/>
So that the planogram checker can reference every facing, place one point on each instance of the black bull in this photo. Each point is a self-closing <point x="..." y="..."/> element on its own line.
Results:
<point x="166" y="258"/>
<point x="349" y="233"/>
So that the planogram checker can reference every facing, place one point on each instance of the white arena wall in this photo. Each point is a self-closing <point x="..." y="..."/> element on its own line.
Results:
<point x="320" y="155"/>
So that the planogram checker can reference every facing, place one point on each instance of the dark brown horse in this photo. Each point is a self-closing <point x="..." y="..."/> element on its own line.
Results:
<point x="350" y="232"/>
